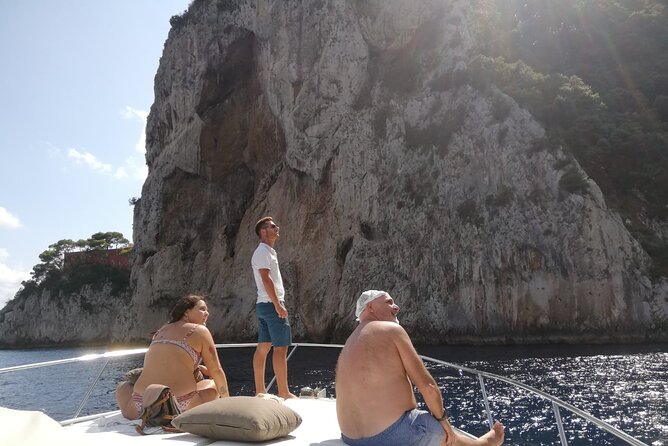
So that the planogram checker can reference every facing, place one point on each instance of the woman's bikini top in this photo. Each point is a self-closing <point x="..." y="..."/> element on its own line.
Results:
<point x="183" y="343"/>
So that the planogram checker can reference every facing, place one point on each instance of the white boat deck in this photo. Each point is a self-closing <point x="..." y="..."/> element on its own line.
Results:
<point x="319" y="427"/>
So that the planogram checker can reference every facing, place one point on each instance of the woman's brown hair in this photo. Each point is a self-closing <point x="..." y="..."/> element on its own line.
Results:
<point x="182" y="305"/>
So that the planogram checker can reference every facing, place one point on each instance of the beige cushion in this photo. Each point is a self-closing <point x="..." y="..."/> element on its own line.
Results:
<point x="239" y="418"/>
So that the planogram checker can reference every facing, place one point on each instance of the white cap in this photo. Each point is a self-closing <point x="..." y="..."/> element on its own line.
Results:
<point x="365" y="298"/>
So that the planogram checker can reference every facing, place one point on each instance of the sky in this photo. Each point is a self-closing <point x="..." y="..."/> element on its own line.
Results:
<point x="76" y="86"/>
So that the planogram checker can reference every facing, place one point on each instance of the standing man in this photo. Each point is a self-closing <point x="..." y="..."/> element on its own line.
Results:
<point x="272" y="316"/>
<point x="375" y="374"/>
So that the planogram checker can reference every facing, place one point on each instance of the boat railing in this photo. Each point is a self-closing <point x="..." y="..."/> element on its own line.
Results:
<point x="557" y="404"/>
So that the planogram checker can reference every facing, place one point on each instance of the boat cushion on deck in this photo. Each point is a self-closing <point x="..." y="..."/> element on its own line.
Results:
<point x="239" y="418"/>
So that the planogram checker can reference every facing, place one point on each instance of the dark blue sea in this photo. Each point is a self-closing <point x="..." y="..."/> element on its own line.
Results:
<point x="626" y="386"/>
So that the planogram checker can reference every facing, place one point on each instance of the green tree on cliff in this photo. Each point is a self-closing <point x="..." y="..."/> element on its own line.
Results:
<point x="52" y="259"/>
<point x="49" y="272"/>
<point x="106" y="240"/>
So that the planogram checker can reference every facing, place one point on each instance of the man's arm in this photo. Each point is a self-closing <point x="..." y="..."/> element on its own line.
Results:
<point x="271" y="291"/>
<point x="420" y="376"/>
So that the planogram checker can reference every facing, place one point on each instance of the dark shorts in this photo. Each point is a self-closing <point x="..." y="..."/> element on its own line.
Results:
<point x="414" y="428"/>
<point x="272" y="328"/>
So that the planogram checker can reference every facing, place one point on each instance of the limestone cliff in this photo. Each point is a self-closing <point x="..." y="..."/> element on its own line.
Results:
<point x="342" y="120"/>
<point x="93" y="315"/>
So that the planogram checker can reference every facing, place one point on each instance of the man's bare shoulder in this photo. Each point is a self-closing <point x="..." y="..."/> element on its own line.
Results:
<point x="388" y="328"/>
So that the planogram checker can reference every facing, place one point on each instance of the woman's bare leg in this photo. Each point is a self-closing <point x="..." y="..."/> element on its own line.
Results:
<point x="206" y="391"/>
<point x="124" y="400"/>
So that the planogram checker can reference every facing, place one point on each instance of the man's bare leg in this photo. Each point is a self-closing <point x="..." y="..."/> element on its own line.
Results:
<point x="492" y="438"/>
<point x="259" y="363"/>
<point x="281" y="370"/>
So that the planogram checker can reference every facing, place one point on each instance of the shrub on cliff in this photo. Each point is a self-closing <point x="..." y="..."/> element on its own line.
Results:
<point x="593" y="74"/>
<point x="573" y="182"/>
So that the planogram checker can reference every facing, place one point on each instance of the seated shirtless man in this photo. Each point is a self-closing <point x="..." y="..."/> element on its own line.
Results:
<point x="375" y="404"/>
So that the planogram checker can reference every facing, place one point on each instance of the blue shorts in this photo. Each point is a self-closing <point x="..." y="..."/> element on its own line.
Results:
<point x="272" y="328"/>
<point x="414" y="428"/>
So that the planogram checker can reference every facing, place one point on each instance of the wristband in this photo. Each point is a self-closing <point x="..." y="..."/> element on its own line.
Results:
<point x="442" y="418"/>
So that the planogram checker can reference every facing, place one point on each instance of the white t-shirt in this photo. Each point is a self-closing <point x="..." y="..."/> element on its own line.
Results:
<point x="265" y="257"/>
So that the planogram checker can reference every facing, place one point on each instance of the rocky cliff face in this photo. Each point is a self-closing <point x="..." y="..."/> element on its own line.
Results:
<point x="89" y="316"/>
<point x="347" y="121"/>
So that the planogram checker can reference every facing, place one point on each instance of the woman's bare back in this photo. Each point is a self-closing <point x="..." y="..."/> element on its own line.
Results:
<point x="170" y="364"/>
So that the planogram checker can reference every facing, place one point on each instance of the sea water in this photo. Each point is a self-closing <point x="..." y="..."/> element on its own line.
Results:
<point x="626" y="386"/>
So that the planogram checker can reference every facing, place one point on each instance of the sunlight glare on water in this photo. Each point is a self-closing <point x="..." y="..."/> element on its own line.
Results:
<point x="628" y="391"/>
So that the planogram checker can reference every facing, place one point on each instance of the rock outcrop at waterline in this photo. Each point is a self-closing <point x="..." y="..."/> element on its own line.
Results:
<point x="91" y="315"/>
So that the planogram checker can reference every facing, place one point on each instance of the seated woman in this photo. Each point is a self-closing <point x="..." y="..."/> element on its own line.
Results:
<point x="173" y="356"/>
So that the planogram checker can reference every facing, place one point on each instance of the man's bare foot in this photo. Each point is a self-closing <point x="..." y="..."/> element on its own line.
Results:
<point x="495" y="436"/>
<point x="287" y="395"/>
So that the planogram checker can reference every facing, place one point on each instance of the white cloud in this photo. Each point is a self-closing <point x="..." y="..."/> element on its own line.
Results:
<point x="120" y="173"/>
<point x="88" y="159"/>
<point x="134" y="166"/>
<point x="141" y="116"/>
<point x="10" y="278"/>
<point x="7" y="220"/>
<point x="135" y="113"/>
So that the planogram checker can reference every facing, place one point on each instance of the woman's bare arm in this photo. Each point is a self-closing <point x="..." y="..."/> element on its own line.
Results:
<point x="212" y="363"/>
